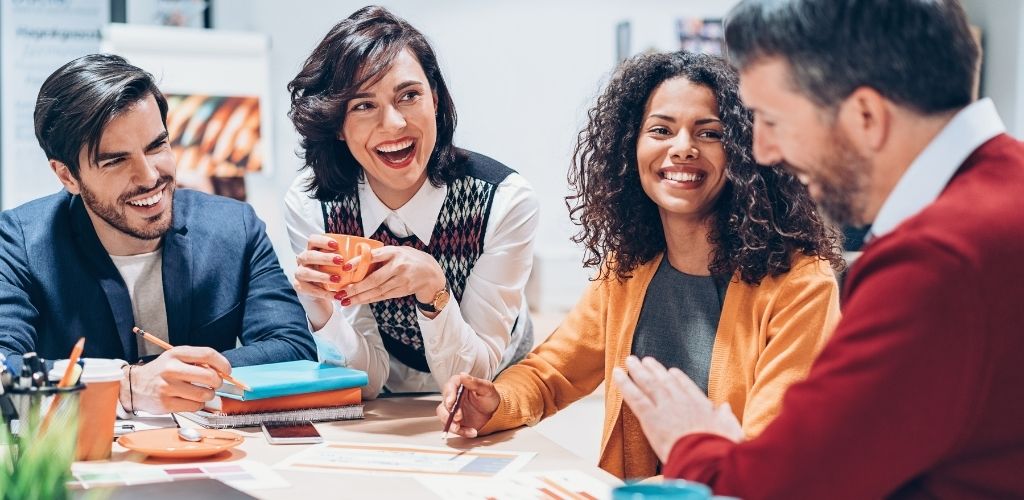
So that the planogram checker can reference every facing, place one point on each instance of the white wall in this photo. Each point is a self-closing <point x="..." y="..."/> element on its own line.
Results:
<point x="522" y="75"/>
<point x="1002" y="74"/>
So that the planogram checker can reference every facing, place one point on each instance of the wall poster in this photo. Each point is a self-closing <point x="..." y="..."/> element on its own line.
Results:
<point x="38" y="36"/>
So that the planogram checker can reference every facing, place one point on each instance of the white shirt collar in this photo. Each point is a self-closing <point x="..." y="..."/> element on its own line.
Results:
<point x="418" y="216"/>
<point x="929" y="173"/>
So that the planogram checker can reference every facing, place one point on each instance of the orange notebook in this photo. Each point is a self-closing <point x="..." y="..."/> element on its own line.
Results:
<point x="321" y="399"/>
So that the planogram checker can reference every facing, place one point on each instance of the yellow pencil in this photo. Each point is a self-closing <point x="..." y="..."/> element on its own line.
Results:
<point x="165" y="346"/>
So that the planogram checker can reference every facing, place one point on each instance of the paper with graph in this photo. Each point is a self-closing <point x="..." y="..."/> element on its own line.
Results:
<point x="363" y="458"/>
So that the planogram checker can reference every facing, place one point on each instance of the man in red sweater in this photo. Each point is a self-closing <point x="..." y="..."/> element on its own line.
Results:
<point x="920" y="391"/>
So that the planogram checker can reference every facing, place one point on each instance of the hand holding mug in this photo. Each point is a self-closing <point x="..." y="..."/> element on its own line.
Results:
<point x="324" y="268"/>
<point x="399" y="271"/>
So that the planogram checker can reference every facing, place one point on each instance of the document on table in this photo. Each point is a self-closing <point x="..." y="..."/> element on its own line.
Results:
<point x="568" y="485"/>
<point x="243" y="474"/>
<point x="390" y="459"/>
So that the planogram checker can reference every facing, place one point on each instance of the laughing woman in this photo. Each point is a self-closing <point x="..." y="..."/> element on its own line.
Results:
<point x="708" y="263"/>
<point x="445" y="293"/>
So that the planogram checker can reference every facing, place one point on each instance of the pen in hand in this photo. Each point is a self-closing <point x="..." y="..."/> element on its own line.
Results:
<point x="451" y="413"/>
<point x="165" y="346"/>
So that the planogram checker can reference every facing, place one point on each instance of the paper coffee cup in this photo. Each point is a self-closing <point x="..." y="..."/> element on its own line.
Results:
<point x="97" y="407"/>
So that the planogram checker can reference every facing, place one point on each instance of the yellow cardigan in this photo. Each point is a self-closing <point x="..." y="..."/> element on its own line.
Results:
<point x="767" y="337"/>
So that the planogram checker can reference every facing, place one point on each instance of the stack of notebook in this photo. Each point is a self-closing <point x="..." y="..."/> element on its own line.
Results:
<point x="285" y="392"/>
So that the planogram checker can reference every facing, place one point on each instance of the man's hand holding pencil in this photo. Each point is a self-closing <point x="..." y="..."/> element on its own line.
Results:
<point x="182" y="378"/>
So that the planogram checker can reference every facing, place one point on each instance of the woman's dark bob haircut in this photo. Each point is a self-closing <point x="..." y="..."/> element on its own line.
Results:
<point x="762" y="218"/>
<point x="355" y="53"/>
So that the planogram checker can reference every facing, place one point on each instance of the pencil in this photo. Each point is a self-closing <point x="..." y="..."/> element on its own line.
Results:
<point x="455" y="407"/>
<point x="65" y="380"/>
<point x="165" y="346"/>
<point x="76" y="352"/>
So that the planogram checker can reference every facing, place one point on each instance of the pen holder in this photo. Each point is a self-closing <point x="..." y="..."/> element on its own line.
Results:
<point x="97" y="408"/>
<point x="37" y="449"/>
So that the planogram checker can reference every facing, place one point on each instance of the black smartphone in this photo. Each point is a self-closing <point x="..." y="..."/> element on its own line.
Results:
<point x="291" y="432"/>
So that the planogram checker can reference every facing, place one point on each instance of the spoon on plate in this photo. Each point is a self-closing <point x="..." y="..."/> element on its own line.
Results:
<point x="192" y="435"/>
<point x="189" y="434"/>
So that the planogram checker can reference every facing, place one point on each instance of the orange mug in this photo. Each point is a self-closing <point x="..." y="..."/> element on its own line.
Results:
<point x="350" y="247"/>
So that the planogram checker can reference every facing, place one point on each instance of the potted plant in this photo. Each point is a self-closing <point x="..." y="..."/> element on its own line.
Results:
<point x="36" y="463"/>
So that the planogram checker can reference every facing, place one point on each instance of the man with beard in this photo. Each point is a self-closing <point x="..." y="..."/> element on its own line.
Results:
<point x="918" y="392"/>
<point x="119" y="247"/>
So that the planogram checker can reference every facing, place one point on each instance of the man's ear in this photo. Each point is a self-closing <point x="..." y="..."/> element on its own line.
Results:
<point x="866" y="118"/>
<point x="65" y="176"/>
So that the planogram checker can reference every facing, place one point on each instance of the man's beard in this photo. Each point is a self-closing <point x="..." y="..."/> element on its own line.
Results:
<point x="842" y="182"/>
<point x="115" y="215"/>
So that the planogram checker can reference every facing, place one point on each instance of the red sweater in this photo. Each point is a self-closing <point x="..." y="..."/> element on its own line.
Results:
<point x="920" y="391"/>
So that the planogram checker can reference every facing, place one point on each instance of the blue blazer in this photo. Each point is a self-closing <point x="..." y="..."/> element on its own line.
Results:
<point x="221" y="281"/>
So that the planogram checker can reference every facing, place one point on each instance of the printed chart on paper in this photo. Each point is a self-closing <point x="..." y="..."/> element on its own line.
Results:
<point x="404" y="459"/>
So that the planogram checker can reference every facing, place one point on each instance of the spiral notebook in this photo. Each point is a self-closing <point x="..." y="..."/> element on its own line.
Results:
<point x="219" y="421"/>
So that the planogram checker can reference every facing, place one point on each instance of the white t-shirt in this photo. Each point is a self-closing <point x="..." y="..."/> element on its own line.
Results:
<point x="143" y="276"/>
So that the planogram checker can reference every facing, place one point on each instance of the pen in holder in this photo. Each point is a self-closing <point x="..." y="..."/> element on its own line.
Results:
<point x="37" y="449"/>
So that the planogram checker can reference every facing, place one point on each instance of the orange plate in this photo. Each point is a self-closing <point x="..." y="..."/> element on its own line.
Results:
<point x="167" y="443"/>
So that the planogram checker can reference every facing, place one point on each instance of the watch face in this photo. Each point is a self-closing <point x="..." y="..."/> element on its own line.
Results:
<point x="442" y="299"/>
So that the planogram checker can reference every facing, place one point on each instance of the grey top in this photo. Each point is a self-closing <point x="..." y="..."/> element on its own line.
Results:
<point x="679" y="320"/>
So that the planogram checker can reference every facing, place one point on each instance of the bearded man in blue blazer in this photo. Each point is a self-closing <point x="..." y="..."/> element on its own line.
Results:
<point x="119" y="247"/>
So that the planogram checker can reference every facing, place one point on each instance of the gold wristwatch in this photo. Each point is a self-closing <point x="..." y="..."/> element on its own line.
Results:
<point x="441" y="299"/>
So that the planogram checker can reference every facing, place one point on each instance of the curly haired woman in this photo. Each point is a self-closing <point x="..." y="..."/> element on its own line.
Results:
<point x="708" y="263"/>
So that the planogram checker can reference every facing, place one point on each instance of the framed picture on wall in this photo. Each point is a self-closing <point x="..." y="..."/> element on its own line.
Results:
<point x="216" y="140"/>
<point x="701" y="35"/>
<point x="180" y="13"/>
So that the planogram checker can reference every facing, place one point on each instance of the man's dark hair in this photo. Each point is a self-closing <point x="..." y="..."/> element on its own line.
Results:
<point x="77" y="101"/>
<point x="917" y="53"/>
<point x="358" y="51"/>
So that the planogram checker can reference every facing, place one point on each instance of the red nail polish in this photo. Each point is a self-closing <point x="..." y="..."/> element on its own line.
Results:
<point x="346" y="302"/>
<point x="347" y="267"/>
<point x="338" y="261"/>
<point x="339" y="295"/>
<point x="335" y="278"/>
<point x="342" y="294"/>
<point x="333" y="244"/>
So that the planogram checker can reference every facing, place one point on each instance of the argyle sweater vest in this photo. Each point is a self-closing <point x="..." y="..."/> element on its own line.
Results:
<point x="456" y="243"/>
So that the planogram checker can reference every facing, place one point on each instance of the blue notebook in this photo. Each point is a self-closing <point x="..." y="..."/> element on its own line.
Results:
<point x="288" y="378"/>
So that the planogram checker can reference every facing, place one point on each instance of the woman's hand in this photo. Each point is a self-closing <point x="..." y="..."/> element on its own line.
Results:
<point x="479" y="402"/>
<point x="309" y="280"/>
<point x="395" y="271"/>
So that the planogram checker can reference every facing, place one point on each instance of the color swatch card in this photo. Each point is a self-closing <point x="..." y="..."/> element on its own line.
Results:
<point x="243" y="474"/>
<point x="554" y="485"/>
<point x="362" y="458"/>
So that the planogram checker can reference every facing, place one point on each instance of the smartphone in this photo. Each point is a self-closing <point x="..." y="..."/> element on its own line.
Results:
<point x="291" y="433"/>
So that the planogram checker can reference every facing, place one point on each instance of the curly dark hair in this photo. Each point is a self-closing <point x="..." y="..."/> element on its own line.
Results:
<point x="761" y="218"/>
<point x="358" y="51"/>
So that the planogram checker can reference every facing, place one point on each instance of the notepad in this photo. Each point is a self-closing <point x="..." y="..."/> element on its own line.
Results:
<point x="215" y="421"/>
<point x="290" y="377"/>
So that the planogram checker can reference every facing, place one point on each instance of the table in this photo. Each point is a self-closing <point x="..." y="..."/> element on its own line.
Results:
<point x="401" y="420"/>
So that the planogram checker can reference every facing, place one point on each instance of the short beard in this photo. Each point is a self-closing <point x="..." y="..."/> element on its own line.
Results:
<point x="843" y="183"/>
<point x="116" y="217"/>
